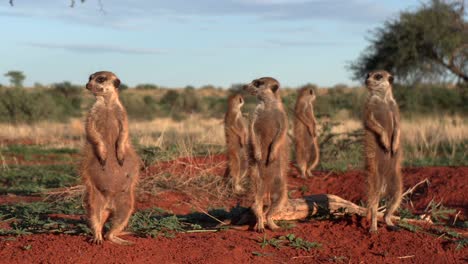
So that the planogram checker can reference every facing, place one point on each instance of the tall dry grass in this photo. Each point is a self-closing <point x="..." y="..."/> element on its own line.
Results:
<point x="425" y="137"/>
<point x="424" y="133"/>
<point x="160" y="132"/>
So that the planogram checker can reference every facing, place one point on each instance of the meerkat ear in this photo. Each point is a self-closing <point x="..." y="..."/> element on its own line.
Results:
<point x="116" y="83"/>
<point x="390" y="79"/>
<point x="275" y="87"/>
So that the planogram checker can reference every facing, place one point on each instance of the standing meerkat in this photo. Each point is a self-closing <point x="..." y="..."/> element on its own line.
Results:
<point x="268" y="151"/>
<point x="382" y="147"/>
<point x="110" y="166"/>
<point x="305" y="132"/>
<point x="235" y="130"/>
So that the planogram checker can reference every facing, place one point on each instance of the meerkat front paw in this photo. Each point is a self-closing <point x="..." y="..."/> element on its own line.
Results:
<point x="120" y="157"/>
<point x="384" y="140"/>
<point x="120" y="161"/>
<point x="395" y="146"/>
<point x="102" y="155"/>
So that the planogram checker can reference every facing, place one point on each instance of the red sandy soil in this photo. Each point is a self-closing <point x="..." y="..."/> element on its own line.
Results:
<point x="345" y="240"/>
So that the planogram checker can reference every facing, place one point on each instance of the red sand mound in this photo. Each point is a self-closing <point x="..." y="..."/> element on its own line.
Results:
<point x="343" y="241"/>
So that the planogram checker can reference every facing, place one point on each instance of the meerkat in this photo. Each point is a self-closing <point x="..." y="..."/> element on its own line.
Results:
<point x="268" y="151"/>
<point x="382" y="147"/>
<point x="110" y="165"/>
<point x="305" y="132"/>
<point x="235" y="129"/>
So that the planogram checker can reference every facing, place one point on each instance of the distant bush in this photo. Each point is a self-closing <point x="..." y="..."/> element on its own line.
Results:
<point x="20" y="106"/>
<point x="180" y="104"/>
<point x="139" y="107"/>
<point x="430" y="99"/>
<point x="146" y="86"/>
<point x="62" y="101"/>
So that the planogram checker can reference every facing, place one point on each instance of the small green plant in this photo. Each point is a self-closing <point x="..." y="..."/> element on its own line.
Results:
<point x="290" y="240"/>
<point x="439" y="213"/>
<point x="274" y="242"/>
<point x="30" y="179"/>
<point x="286" y="225"/>
<point x="34" y="218"/>
<point x="155" y="222"/>
<point x="303" y="189"/>
<point x="300" y="243"/>
<point x="405" y="213"/>
<point x="413" y="228"/>
<point x="462" y="243"/>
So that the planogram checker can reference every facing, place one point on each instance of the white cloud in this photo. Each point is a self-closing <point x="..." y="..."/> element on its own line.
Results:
<point x="96" y="48"/>
<point x="138" y="13"/>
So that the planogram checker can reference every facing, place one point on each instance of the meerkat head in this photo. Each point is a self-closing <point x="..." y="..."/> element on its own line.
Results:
<point x="379" y="81"/>
<point x="103" y="83"/>
<point x="307" y="94"/>
<point x="263" y="88"/>
<point x="235" y="101"/>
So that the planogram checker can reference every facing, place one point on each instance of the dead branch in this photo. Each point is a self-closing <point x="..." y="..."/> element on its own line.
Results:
<point x="302" y="208"/>
<point x="409" y="191"/>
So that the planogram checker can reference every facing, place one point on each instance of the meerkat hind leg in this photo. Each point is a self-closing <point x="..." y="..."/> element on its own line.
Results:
<point x="257" y="207"/>
<point x="97" y="214"/>
<point x="236" y="174"/>
<point x="394" y="195"/>
<point x="373" y="200"/>
<point x="314" y="156"/>
<point x="278" y="200"/>
<point x="121" y="215"/>
<point x="301" y="162"/>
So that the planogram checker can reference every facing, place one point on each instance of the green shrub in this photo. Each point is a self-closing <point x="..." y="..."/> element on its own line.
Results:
<point x="139" y="107"/>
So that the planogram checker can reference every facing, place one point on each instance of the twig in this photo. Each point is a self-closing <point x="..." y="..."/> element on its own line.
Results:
<point x="65" y="192"/>
<point x="405" y="257"/>
<point x="456" y="216"/>
<point x="412" y="189"/>
<point x="409" y="191"/>
<point x="298" y="257"/>
<point x="202" y="231"/>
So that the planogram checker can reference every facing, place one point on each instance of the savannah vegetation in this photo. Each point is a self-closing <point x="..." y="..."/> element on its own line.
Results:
<point x="41" y="131"/>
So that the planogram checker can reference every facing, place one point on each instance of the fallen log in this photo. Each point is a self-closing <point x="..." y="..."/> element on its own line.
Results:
<point x="308" y="206"/>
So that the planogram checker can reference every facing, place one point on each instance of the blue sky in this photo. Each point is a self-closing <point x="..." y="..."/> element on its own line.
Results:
<point x="194" y="42"/>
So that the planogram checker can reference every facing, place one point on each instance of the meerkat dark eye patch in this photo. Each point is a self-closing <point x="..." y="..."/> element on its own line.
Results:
<point x="257" y="83"/>
<point x="101" y="79"/>
<point x="311" y="91"/>
<point x="378" y="77"/>
<point x="275" y="87"/>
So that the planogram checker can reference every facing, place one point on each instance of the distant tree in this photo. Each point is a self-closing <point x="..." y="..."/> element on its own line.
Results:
<point x="16" y="78"/>
<point x="430" y="43"/>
